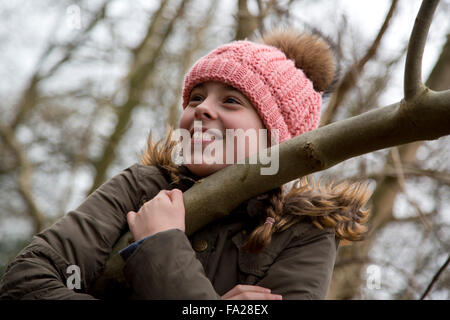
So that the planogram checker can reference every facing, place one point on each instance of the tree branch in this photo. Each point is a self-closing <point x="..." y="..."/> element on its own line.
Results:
<point x="199" y="37"/>
<point x="321" y="149"/>
<point x="413" y="68"/>
<point x="351" y="76"/>
<point x="408" y="170"/>
<point x="137" y="76"/>
<point x="423" y="116"/>
<point x="30" y="94"/>
<point x="402" y="122"/>
<point x="24" y="181"/>
<point x="401" y="180"/>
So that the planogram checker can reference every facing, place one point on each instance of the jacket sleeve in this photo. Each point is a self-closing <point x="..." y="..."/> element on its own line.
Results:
<point x="304" y="268"/>
<point x="164" y="266"/>
<point x="83" y="237"/>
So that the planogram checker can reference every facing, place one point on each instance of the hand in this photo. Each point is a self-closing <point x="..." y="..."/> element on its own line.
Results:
<point x="246" y="292"/>
<point x="165" y="211"/>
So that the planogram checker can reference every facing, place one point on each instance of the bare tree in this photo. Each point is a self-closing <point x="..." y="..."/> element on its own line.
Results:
<point x="95" y="126"/>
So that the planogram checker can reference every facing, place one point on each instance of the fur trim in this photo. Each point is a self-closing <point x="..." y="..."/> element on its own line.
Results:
<point x="309" y="52"/>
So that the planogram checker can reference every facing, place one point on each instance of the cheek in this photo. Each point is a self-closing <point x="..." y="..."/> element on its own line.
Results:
<point x="186" y="118"/>
<point x="243" y="121"/>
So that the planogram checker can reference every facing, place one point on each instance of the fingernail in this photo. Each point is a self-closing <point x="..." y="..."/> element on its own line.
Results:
<point x="267" y="290"/>
<point x="279" y="297"/>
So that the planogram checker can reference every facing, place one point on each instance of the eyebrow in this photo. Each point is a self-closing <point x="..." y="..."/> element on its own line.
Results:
<point x="227" y="87"/>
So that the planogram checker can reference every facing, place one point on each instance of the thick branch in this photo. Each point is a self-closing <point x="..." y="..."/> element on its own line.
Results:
<point x="413" y="68"/>
<point x="400" y="123"/>
<point x="424" y="119"/>
<point x="422" y="115"/>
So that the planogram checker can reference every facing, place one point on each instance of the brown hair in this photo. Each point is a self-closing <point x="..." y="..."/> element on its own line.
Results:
<point x="336" y="206"/>
<point x="160" y="154"/>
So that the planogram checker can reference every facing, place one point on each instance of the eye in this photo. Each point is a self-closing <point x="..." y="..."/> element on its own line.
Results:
<point x="195" y="98"/>
<point x="232" y="100"/>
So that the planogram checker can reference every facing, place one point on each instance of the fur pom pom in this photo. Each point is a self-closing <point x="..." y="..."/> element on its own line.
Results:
<point x="309" y="52"/>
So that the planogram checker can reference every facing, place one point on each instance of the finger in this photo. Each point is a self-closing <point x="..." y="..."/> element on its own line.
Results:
<point x="176" y="196"/>
<point x="240" y="288"/>
<point x="256" y="296"/>
<point x="162" y="195"/>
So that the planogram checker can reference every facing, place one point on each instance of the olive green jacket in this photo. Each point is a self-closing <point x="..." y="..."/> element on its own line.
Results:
<point x="298" y="263"/>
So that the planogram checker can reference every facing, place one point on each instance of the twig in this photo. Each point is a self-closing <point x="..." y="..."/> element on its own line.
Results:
<point x="138" y="75"/>
<point x="349" y="79"/>
<point x="198" y="37"/>
<point x="30" y="94"/>
<point x="401" y="182"/>
<point x="435" y="278"/>
<point x="440" y="176"/>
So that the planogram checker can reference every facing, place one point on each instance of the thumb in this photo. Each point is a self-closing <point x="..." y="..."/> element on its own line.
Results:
<point x="131" y="216"/>
<point x="176" y="196"/>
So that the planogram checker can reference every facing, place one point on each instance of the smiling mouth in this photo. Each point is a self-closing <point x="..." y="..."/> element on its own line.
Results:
<point x="201" y="136"/>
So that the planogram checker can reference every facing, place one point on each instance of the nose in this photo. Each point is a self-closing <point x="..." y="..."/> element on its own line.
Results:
<point x="205" y="110"/>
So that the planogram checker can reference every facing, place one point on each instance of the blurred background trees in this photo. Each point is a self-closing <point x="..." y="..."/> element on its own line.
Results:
<point x="84" y="82"/>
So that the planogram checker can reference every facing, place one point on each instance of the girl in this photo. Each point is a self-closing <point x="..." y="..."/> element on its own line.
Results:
<point x="278" y="245"/>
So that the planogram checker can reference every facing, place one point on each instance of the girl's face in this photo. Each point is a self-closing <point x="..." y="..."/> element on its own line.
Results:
<point x="219" y="106"/>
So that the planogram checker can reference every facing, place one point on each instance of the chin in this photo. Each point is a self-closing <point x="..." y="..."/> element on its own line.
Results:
<point x="204" y="170"/>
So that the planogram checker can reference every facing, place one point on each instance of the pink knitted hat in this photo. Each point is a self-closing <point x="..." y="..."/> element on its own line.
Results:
<point x="281" y="93"/>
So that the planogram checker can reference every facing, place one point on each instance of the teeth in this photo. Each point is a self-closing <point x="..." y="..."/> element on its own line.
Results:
<point x="204" y="136"/>
<point x="197" y="135"/>
<point x="207" y="136"/>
